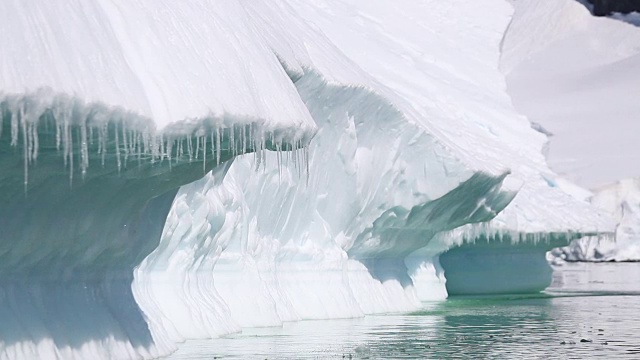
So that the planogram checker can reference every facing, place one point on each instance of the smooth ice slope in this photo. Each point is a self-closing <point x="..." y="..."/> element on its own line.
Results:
<point x="577" y="76"/>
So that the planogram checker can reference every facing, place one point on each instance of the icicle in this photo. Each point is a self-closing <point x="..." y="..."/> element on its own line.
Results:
<point x="218" y="146"/>
<point x="104" y="131"/>
<point x="163" y="149"/>
<point x="26" y="128"/>
<point x="204" y="154"/>
<point x="232" y="143"/>
<point x="169" y="150"/>
<point x="25" y="146"/>
<point x="1" y="119"/>
<point x="244" y="139"/>
<point x="14" y="127"/>
<point x="197" y="146"/>
<point x="36" y="142"/>
<point x="125" y="145"/>
<point x="306" y="162"/>
<point x="70" y="152"/>
<point x="213" y="145"/>
<point x="294" y="155"/>
<point x="117" y="148"/>
<point x="67" y="141"/>
<point x="179" y="151"/>
<point x="58" y="130"/>
<point x="84" y="150"/>
<point x="190" y="147"/>
<point x="279" y="157"/>
<point x="139" y="147"/>
<point x="149" y="145"/>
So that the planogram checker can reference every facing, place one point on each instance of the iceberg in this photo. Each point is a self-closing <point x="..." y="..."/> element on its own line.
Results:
<point x="181" y="171"/>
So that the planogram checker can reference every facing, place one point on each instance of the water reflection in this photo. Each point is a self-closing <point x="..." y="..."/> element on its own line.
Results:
<point x="589" y="311"/>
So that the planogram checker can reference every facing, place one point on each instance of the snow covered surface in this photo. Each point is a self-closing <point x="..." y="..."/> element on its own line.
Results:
<point x="418" y="150"/>
<point x="163" y="61"/>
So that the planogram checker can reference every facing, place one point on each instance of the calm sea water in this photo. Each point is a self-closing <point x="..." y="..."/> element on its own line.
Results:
<point x="591" y="310"/>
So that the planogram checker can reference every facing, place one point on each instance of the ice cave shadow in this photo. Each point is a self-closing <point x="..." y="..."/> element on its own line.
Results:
<point x="72" y="315"/>
<point x="403" y="231"/>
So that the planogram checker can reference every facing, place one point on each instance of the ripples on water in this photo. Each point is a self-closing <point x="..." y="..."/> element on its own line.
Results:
<point x="591" y="310"/>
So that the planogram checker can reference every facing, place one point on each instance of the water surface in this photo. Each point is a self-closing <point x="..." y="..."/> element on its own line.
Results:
<point x="590" y="310"/>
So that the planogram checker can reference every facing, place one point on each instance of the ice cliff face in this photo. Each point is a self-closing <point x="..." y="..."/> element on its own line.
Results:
<point x="108" y="108"/>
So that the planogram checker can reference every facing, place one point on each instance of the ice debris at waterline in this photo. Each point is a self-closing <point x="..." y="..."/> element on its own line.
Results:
<point x="412" y="145"/>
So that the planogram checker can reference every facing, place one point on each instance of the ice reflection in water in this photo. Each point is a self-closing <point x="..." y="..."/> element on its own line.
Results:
<point x="595" y="303"/>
